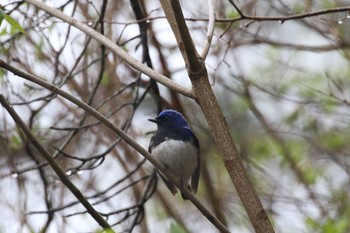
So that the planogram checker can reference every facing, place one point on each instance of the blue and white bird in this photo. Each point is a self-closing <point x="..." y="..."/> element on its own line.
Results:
<point x="175" y="145"/>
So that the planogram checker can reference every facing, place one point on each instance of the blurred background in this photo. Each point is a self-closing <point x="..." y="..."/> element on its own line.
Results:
<point x="283" y="86"/>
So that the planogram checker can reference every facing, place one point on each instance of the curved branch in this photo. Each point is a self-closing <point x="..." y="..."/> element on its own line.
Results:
<point x="211" y="26"/>
<point x="113" y="47"/>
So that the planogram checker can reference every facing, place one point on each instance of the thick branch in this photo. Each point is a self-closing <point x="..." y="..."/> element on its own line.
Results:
<point x="216" y="120"/>
<point x="184" y="40"/>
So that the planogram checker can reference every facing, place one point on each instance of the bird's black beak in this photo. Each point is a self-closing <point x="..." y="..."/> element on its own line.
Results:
<point x="153" y="120"/>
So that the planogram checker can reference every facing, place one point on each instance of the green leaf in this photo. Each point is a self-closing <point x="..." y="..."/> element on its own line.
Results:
<point x="3" y="31"/>
<point x="335" y="225"/>
<point x="232" y="14"/>
<point x="310" y="175"/>
<point x="105" y="79"/>
<point x="176" y="228"/>
<point x="263" y="148"/>
<point x="293" y="117"/>
<point x="16" y="141"/>
<point x="342" y="224"/>
<point x="2" y="74"/>
<point x="1" y="16"/>
<point x="334" y="140"/>
<point x="311" y="223"/>
<point x="105" y="231"/>
<point x="14" y="24"/>
<point x="329" y="4"/>
<point x="298" y="8"/>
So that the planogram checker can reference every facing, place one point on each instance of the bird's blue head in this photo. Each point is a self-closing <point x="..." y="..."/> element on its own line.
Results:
<point x="170" y="119"/>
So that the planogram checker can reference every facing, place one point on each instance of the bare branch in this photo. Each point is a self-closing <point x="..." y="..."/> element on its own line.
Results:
<point x="116" y="49"/>
<point x="282" y="19"/>
<point x="210" y="32"/>
<point x="123" y="135"/>
<point x="103" y="223"/>
<point x="205" y="97"/>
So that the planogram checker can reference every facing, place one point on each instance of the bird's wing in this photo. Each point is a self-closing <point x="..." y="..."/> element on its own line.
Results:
<point x="195" y="176"/>
<point x="151" y="145"/>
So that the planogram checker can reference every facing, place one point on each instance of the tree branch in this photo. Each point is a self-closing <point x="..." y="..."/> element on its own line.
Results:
<point x="103" y="223"/>
<point x="184" y="40"/>
<point x="113" y="47"/>
<point x="205" y="97"/>
<point x="282" y="19"/>
<point x="123" y="135"/>
<point x="211" y="27"/>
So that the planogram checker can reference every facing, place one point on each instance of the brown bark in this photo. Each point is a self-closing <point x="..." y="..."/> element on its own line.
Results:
<point x="205" y="97"/>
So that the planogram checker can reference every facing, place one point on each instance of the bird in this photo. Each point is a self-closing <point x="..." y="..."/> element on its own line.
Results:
<point x="175" y="145"/>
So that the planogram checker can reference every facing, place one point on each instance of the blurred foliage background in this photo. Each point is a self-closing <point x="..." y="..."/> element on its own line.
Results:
<point x="283" y="86"/>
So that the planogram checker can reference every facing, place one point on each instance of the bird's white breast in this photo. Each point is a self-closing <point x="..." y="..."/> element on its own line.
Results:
<point x="178" y="156"/>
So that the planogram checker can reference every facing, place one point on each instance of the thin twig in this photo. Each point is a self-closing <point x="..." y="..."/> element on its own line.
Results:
<point x="123" y="135"/>
<point x="244" y="17"/>
<point x="116" y="49"/>
<point x="103" y="223"/>
<point x="210" y="32"/>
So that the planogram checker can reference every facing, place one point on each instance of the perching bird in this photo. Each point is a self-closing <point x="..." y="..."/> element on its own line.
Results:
<point x="175" y="145"/>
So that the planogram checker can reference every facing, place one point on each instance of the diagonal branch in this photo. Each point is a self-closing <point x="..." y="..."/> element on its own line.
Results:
<point x="103" y="223"/>
<point x="123" y="135"/>
<point x="115" y="48"/>
<point x="184" y="40"/>
<point x="205" y="97"/>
